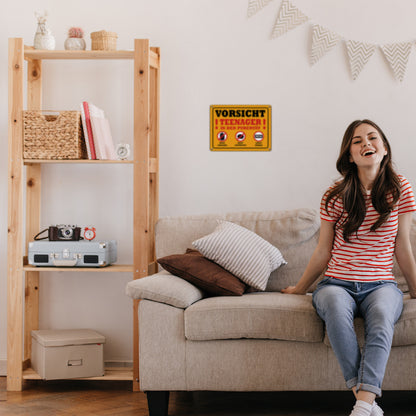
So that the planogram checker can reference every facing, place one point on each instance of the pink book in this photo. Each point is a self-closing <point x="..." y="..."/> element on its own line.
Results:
<point x="89" y="130"/>
<point x="84" y="129"/>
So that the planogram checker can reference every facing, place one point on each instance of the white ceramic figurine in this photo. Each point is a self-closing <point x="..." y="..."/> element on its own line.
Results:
<point x="43" y="37"/>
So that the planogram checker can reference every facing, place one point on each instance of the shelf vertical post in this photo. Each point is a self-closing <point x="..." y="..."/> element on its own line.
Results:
<point x="33" y="198"/>
<point x="154" y="95"/>
<point x="140" y="181"/>
<point x="15" y="218"/>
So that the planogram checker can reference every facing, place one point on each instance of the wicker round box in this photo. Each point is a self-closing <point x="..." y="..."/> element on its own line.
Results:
<point x="48" y="136"/>
<point x="103" y="41"/>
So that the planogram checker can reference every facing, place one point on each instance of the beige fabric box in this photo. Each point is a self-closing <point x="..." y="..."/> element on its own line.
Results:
<point x="61" y="354"/>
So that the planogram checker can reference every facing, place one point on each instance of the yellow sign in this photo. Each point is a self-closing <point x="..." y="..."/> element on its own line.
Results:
<point x="241" y="127"/>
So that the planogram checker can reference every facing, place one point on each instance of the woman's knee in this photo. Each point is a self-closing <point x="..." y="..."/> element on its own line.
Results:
<point x="383" y="306"/>
<point x="334" y="301"/>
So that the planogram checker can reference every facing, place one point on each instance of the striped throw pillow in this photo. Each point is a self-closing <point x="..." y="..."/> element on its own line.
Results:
<point x="242" y="252"/>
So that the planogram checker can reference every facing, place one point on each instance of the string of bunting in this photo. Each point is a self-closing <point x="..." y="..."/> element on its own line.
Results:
<point x="323" y="40"/>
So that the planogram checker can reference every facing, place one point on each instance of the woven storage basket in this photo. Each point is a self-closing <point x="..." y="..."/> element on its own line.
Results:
<point x="53" y="136"/>
<point x="103" y="41"/>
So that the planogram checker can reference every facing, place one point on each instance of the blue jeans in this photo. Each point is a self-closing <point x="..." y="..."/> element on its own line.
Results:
<point x="380" y="303"/>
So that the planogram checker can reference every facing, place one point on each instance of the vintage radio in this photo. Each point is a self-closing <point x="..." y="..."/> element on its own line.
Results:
<point x="72" y="253"/>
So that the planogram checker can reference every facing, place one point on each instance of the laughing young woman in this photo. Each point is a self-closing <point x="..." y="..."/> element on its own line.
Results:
<point x="365" y="220"/>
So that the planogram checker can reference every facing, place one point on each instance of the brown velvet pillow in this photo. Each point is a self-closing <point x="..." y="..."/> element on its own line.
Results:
<point x="203" y="273"/>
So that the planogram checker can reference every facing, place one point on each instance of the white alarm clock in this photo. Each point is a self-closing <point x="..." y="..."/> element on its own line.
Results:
<point x="123" y="151"/>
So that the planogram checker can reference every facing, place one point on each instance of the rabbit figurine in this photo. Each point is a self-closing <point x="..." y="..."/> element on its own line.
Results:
<point x="43" y="37"/>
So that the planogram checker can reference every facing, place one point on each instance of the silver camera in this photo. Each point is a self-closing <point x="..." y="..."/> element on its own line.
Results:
<point x="64" y="232"/>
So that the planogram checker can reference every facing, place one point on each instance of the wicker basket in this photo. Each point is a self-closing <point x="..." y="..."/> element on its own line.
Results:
<point x="103" y="41"/>
<point x="53" y="136"/>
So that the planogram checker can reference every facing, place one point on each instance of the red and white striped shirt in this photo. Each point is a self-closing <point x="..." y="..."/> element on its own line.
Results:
<point x="369" y="254"/>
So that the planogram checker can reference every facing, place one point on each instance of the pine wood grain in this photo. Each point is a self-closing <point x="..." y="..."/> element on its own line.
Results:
<point x="33" y="199"/>
<point x="15" y="217"/>
<point x="38" y="54"/>
<point x="141" y="197"/>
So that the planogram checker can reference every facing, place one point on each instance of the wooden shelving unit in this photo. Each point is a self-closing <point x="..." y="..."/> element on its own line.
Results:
<point x="23" y="280"/>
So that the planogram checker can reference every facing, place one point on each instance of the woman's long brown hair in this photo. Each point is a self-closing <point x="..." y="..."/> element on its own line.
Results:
<point x="384" y="194"/>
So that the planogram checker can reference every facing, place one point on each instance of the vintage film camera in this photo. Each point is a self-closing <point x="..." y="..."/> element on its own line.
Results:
<point x="60" y="233"/>
<point x="67" y="233"/>
<point x="64" y="232"/>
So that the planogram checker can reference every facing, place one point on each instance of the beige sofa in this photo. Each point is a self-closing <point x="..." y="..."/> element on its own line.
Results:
<point x="265" y="341"/>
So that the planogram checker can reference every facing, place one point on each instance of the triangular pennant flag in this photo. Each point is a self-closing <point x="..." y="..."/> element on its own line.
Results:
<point x="255" y="5"/>
<point x="397" y="55"/>
<point x="289" y="17"/>
<point x="359" y="54"/>
<point x="323" y="40"/>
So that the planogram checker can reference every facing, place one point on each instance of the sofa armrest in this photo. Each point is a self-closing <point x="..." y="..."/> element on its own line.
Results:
<point x="162" y="347"/>
<point x="166" y="288"/>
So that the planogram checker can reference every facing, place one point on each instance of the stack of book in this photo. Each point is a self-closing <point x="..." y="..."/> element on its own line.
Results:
<point x="97" y="132"/>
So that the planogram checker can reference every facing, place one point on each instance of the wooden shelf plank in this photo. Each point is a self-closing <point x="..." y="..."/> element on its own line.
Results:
<point x="85" y="161"/>
<point x="111" y="373"/>
<point x="153" y="162"/>
<point x="31" y="53"/>
<point x="112" y="269"/>
<point x="37" y="54"/>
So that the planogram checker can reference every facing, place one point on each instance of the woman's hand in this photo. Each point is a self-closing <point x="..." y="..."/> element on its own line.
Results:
<point x="293" y="290"/>
<point x="318" y="261"/>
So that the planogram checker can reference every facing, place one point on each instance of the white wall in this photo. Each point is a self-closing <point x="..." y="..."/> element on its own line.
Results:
<point x="211" y="54"/>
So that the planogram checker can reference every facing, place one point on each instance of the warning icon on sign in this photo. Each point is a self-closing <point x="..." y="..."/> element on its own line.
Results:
<point x="258" y="136"/>
<point x="222" y="136"/>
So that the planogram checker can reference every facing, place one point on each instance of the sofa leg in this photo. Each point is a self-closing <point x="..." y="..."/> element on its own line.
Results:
<point x="158" y="403"/>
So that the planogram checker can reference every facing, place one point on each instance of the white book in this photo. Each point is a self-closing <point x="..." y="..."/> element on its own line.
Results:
<point x="96" y="113"/>
<point x="102" y="138"/>
<point x="110" y="151"/>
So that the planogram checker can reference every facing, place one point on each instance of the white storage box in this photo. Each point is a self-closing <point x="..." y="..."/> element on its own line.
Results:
<point x="60" y="354"/>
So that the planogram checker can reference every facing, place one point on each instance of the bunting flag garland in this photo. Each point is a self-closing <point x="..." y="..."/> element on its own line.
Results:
<point x="323" y="40"/>
<point x="397" y="55"/>
<point x="359" y="54"/>
<point x="289" y="17"/>
<point x="255" y="5"/>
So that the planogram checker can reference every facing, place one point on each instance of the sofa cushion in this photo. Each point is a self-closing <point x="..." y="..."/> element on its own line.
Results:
<point x="163" y="287"/>
<point x="404" y="331"/>
<point x="295" y="232"/>
<point x="255" y="315"/>
<point x="203" y="273"/>
<point x="242" y="252"/>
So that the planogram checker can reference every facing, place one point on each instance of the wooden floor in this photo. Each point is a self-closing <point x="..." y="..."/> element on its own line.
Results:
<point x="81" y="398"/>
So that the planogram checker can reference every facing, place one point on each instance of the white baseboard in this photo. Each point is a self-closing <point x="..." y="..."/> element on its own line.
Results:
<point x="3" y="367"/>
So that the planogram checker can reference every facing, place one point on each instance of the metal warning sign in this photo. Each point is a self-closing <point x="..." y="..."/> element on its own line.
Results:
<point x="241" y="127"/>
